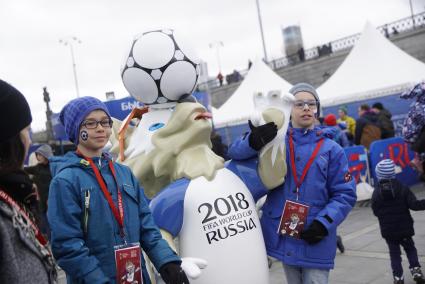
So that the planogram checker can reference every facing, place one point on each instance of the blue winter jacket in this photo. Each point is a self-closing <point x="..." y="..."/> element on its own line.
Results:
<point x="328" y="190"/>
<point x="89" y="257"/>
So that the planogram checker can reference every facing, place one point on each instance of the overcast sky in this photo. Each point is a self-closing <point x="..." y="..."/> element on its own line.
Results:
<point x="32" y="57"/>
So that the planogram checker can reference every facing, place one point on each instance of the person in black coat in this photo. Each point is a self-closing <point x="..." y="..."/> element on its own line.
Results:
<point x="367" y="127"/>
<point x="391" y="203"/>
<point x="41" y="176"/>
<point x="385" y="122"/>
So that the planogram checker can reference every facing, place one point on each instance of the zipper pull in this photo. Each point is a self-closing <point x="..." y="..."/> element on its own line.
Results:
<point x="86" y="210"/>
<point x="87" y="199"/>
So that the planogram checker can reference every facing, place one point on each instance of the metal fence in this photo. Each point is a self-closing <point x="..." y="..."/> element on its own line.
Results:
<point x="389" y="30"/>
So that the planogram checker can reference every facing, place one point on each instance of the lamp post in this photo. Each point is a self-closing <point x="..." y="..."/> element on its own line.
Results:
<point x="217" y="45"/>
<point x="70" y="41"/>
<point x="261" y="30"/>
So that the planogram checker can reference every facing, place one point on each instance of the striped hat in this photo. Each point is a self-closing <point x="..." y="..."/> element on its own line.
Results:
<point x="385" y="169"/>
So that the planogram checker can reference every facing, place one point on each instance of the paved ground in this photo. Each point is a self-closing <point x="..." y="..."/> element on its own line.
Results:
<point x="366" y="258"/>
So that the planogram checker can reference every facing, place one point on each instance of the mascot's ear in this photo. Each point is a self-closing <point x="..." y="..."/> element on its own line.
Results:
<point x="115" y="128"/>
<point x="114" y="136"/>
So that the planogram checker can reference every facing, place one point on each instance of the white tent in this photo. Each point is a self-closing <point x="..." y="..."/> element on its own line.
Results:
<point x="375" y="67"/>
<point x="240" y="106"/>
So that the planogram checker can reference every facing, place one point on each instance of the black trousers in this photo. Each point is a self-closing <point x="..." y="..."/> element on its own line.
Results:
<point x="395" y="254"/>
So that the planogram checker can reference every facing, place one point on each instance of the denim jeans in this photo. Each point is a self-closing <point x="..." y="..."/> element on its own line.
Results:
<point x="302" y="275"/>
<point x="395" y="254"/>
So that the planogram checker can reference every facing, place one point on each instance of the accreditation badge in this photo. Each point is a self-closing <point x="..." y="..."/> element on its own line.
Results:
<point x="128" y="263"/>
<point x="293" y="219"/>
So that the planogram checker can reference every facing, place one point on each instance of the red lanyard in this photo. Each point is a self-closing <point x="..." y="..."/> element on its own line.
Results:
<point x="118" y="213"/>
<point x="307" y="167"/>
<point x="5" y="197"/>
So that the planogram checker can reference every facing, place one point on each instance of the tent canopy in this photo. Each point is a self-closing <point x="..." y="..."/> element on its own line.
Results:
<point x="240" y="106"/>
<point x="375" y="67"/>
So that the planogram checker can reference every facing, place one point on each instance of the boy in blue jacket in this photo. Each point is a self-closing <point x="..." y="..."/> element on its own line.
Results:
<point x="391" y="203"/>
<point x="96" y="205"/>
<point x="317" y="178"/>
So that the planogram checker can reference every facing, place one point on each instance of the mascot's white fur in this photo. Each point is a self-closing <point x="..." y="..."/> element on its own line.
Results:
<point x="198" y="198"/>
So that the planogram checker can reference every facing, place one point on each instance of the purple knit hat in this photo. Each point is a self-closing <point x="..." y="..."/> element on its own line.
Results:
<point x="74" y="112"/>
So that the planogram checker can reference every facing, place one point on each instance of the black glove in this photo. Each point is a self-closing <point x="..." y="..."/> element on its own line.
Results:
<point x="261" y="135"/>
<point x="315" y="233"/>
<point x="172" y="273"/>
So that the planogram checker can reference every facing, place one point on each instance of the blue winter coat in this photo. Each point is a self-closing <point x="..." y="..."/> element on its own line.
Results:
<point x="89" y="257"/>
<point x="328" y="190"/>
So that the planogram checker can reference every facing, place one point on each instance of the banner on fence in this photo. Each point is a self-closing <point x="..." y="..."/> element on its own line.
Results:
<point x="398" y="151"/>
<point x="358" y="165"/>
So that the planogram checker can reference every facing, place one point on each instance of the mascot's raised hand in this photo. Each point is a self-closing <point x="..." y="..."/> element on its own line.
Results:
<point x="272" y="115"/>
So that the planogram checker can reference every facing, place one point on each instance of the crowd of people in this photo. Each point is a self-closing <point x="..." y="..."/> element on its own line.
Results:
<point x="83" y="211"/>
<point x="372" y="124"/>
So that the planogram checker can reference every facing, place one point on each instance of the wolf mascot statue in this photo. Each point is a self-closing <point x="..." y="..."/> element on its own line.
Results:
<point x="209" y="205"/>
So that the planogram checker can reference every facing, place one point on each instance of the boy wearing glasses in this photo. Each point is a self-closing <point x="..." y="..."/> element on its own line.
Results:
<point x="97" y="211"/>
<point x="317" y="184"/>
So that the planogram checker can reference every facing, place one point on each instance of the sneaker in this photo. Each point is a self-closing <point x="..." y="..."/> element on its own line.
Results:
<point x="416" y="164"/>
<point x="417" y="275"/>
<point x="398" y="280"/>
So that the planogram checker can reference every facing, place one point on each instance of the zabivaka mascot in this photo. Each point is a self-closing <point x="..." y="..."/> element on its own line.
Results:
<point x="207" y="204"/>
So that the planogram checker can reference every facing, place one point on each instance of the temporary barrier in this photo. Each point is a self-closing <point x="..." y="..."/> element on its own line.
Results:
<point x="398" y="151"/>
<point x="358" y="166"/>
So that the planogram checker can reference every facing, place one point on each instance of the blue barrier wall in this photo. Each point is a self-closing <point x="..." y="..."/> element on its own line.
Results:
<point x="398" y="151"/>
<point x="397" y="106"/>
<point x="358" y="164"/>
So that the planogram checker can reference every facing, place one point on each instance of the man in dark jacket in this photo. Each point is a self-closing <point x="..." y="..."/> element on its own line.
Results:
<point x="391" y="202"/>
<point x="385" y="122"/>
<point x="367" y="127"/>
<point x="41" y="176"/>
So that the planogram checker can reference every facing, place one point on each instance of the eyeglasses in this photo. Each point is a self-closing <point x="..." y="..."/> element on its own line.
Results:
<point x="312" y="104"/>
<point x="92" y="124"/>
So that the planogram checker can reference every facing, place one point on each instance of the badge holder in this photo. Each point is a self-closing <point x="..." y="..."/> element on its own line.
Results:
<point x="128" y="263"/>
<point x="293" y="219"/>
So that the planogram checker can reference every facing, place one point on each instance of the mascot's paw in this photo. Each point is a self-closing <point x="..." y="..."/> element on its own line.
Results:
<point x="192" y="266"/>
<point x="273" y="107"/>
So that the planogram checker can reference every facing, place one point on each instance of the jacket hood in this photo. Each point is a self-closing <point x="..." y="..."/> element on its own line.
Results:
<point x="69" y="160"/>
<point x="305" y="136"/>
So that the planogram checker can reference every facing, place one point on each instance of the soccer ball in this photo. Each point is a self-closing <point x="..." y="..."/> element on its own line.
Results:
<point x="160" y="68"/>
